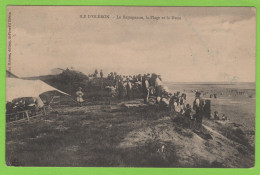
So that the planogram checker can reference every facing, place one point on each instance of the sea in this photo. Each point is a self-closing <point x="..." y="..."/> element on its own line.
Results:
<point x="234" y="100"/>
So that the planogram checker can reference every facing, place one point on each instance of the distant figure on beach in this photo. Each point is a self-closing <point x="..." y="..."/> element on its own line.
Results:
<point x="79" y="95"/>
<point x="198" y="106"/>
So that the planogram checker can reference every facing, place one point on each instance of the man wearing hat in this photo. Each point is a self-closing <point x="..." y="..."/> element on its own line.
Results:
<point x="198" y="106"/>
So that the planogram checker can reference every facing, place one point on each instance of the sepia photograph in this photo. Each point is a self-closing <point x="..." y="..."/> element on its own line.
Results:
<point x="130" y="86"/>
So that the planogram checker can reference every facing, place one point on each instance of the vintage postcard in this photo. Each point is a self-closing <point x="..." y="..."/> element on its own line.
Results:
<point x="114" y="86"/>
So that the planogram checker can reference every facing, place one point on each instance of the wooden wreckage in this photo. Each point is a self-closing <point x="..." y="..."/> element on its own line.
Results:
<point x="19" y="90"/>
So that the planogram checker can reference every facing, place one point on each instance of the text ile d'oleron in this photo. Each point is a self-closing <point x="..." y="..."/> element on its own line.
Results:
<point x="126" y="17"/>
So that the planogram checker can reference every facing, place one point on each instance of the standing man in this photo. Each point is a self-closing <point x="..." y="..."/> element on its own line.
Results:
<point x="139" y="78"/>
<point x="188" y="116"/>
<point x="96" y="73"/>
<point x="128" y="89"/>
<point x="79" y="95"/>
<point x="198" y="106"/>
<point x="116" y="82"/>
<point x="182" y="102"/>
<point x="101" y="73"/>
<point x="158" y="89"/>
<point x="120" y="89"/>
<point x="178" y="96"/>
<point x="146" y="90"/>
<point x="112" y="75"/>
<point x="135" y="89"/>
<point x="134" y="79"/>
<point x="101" y="79"/>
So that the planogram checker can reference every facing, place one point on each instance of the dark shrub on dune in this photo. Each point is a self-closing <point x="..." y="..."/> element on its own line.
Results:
<point x="70" y="80"/>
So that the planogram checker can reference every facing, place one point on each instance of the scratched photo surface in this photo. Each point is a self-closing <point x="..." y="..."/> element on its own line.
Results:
<point x="114" y="86"/>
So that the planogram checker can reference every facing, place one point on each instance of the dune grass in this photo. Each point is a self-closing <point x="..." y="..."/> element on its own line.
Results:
<point x="75" y="137"/>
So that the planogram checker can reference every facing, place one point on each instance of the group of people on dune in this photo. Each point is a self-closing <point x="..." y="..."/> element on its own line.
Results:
<point x="192" y="115"/>
<point x="152" y="85"/>
<point x="130" y="86"/>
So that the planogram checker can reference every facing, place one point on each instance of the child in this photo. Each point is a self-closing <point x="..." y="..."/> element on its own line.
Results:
<point x="79" y="95"/>
<point x="187" y="112"/>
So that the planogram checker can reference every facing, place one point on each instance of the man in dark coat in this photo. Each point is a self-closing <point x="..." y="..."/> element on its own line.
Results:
<point x="128" y="89"/>
<point x="120" y="89"/>
<point x="101" y="73"/>
<point x="198" y="106"/>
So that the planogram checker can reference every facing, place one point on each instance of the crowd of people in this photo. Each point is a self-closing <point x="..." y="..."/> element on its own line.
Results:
<point x="192" y="115"/>
<point x="129" y="86"/>
<point x="125" y="87"/>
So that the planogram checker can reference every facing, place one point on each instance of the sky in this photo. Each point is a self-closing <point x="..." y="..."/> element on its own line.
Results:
<point x="205" y="44"/>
